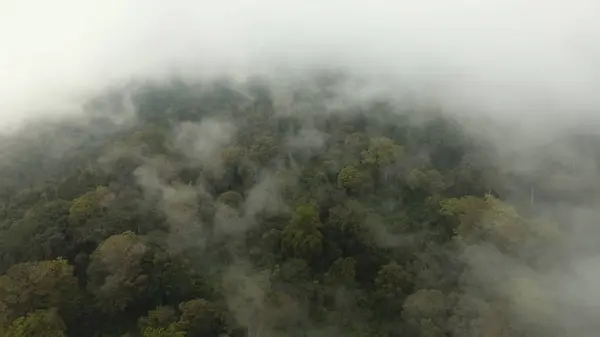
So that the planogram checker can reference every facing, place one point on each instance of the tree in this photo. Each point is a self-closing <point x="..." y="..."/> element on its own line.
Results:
<point x="39" y="235"/>
<point x="380" y="158"/>
<point x="342" y="272"/>
<point x="174" y="278"/>
<point x="393" y="281"/>
<point x="32" y="286"/>
<point x="425" y="311"/>
<point x="345" y="226"/>
<point x="116" y="275"/>
<point x="45" y="323"/>
<point x="263" y="149"/>
<point x="199" y="318"/>
<point x="81" y="181"/>
<point x="430" y="181"/>
<point x="392" y="285"/>
<point x="353" y="179"/>
<point x="302" y="237"/>
<point x="381" y="152"/>
<point x="87" y="206"/>
<point x="487" y="220"/>
<point x="161" y="317"/>
<point x="267" y="250"/>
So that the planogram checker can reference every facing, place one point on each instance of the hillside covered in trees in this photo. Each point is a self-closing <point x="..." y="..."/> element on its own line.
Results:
<point x="216" y="208"/>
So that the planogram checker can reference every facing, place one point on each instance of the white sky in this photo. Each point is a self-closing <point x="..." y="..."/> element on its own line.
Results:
<point x="527" y="58"/>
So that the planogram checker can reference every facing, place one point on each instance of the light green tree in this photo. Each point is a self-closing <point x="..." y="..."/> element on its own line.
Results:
<point x="45" y="323"/>
<point x="115" y="271"/>
<point x="31" y="286"/>
<point x="381" y="151"/>
<point x="302" y="237"/>
<point x="87" y="206"/>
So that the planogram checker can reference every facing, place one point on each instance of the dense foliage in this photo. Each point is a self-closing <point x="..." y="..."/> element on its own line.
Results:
<point x="220" y="209"/>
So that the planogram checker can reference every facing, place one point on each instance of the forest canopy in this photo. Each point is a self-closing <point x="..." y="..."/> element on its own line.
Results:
<point x="221" y="208"/>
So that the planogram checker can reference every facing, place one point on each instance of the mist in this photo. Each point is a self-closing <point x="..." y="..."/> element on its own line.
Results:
<point x="522" y="76"/>
<point x="519" y="59"/>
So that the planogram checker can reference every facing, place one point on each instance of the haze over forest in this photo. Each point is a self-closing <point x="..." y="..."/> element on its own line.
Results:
<point x="295" y="168"/>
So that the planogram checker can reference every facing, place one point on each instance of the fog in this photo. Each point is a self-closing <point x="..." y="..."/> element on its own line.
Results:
<point x="532" y="66"/>
<point x="526" y="59"/>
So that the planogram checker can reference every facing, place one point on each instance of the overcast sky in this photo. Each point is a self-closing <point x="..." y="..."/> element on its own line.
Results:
<point x="528" y="58"/>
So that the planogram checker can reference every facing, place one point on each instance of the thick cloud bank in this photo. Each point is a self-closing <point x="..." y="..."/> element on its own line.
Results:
<point x="526" y="59"/>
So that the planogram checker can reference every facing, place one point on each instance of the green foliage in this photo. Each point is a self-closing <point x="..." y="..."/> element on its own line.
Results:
<point x="393" y="281"/>
<point x="263" y="149"/>
<point x="162" y="316"/>
<point x="37" y="286"/>
<point x="37" y="324"/>
<point x="380" y="227"/>
<point x="431" y="181"/>
<point x="488" y="219"/>
<point x="199" y="318"/>
<point x="302" y="237"/>
<point x="342" y="272"/>
<point x="115" y="271"/>
<point x="353" y="179"/>
<point x="381" y="151"/>
<point x="41" y="233"/>
<point x="87" y="206"/>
